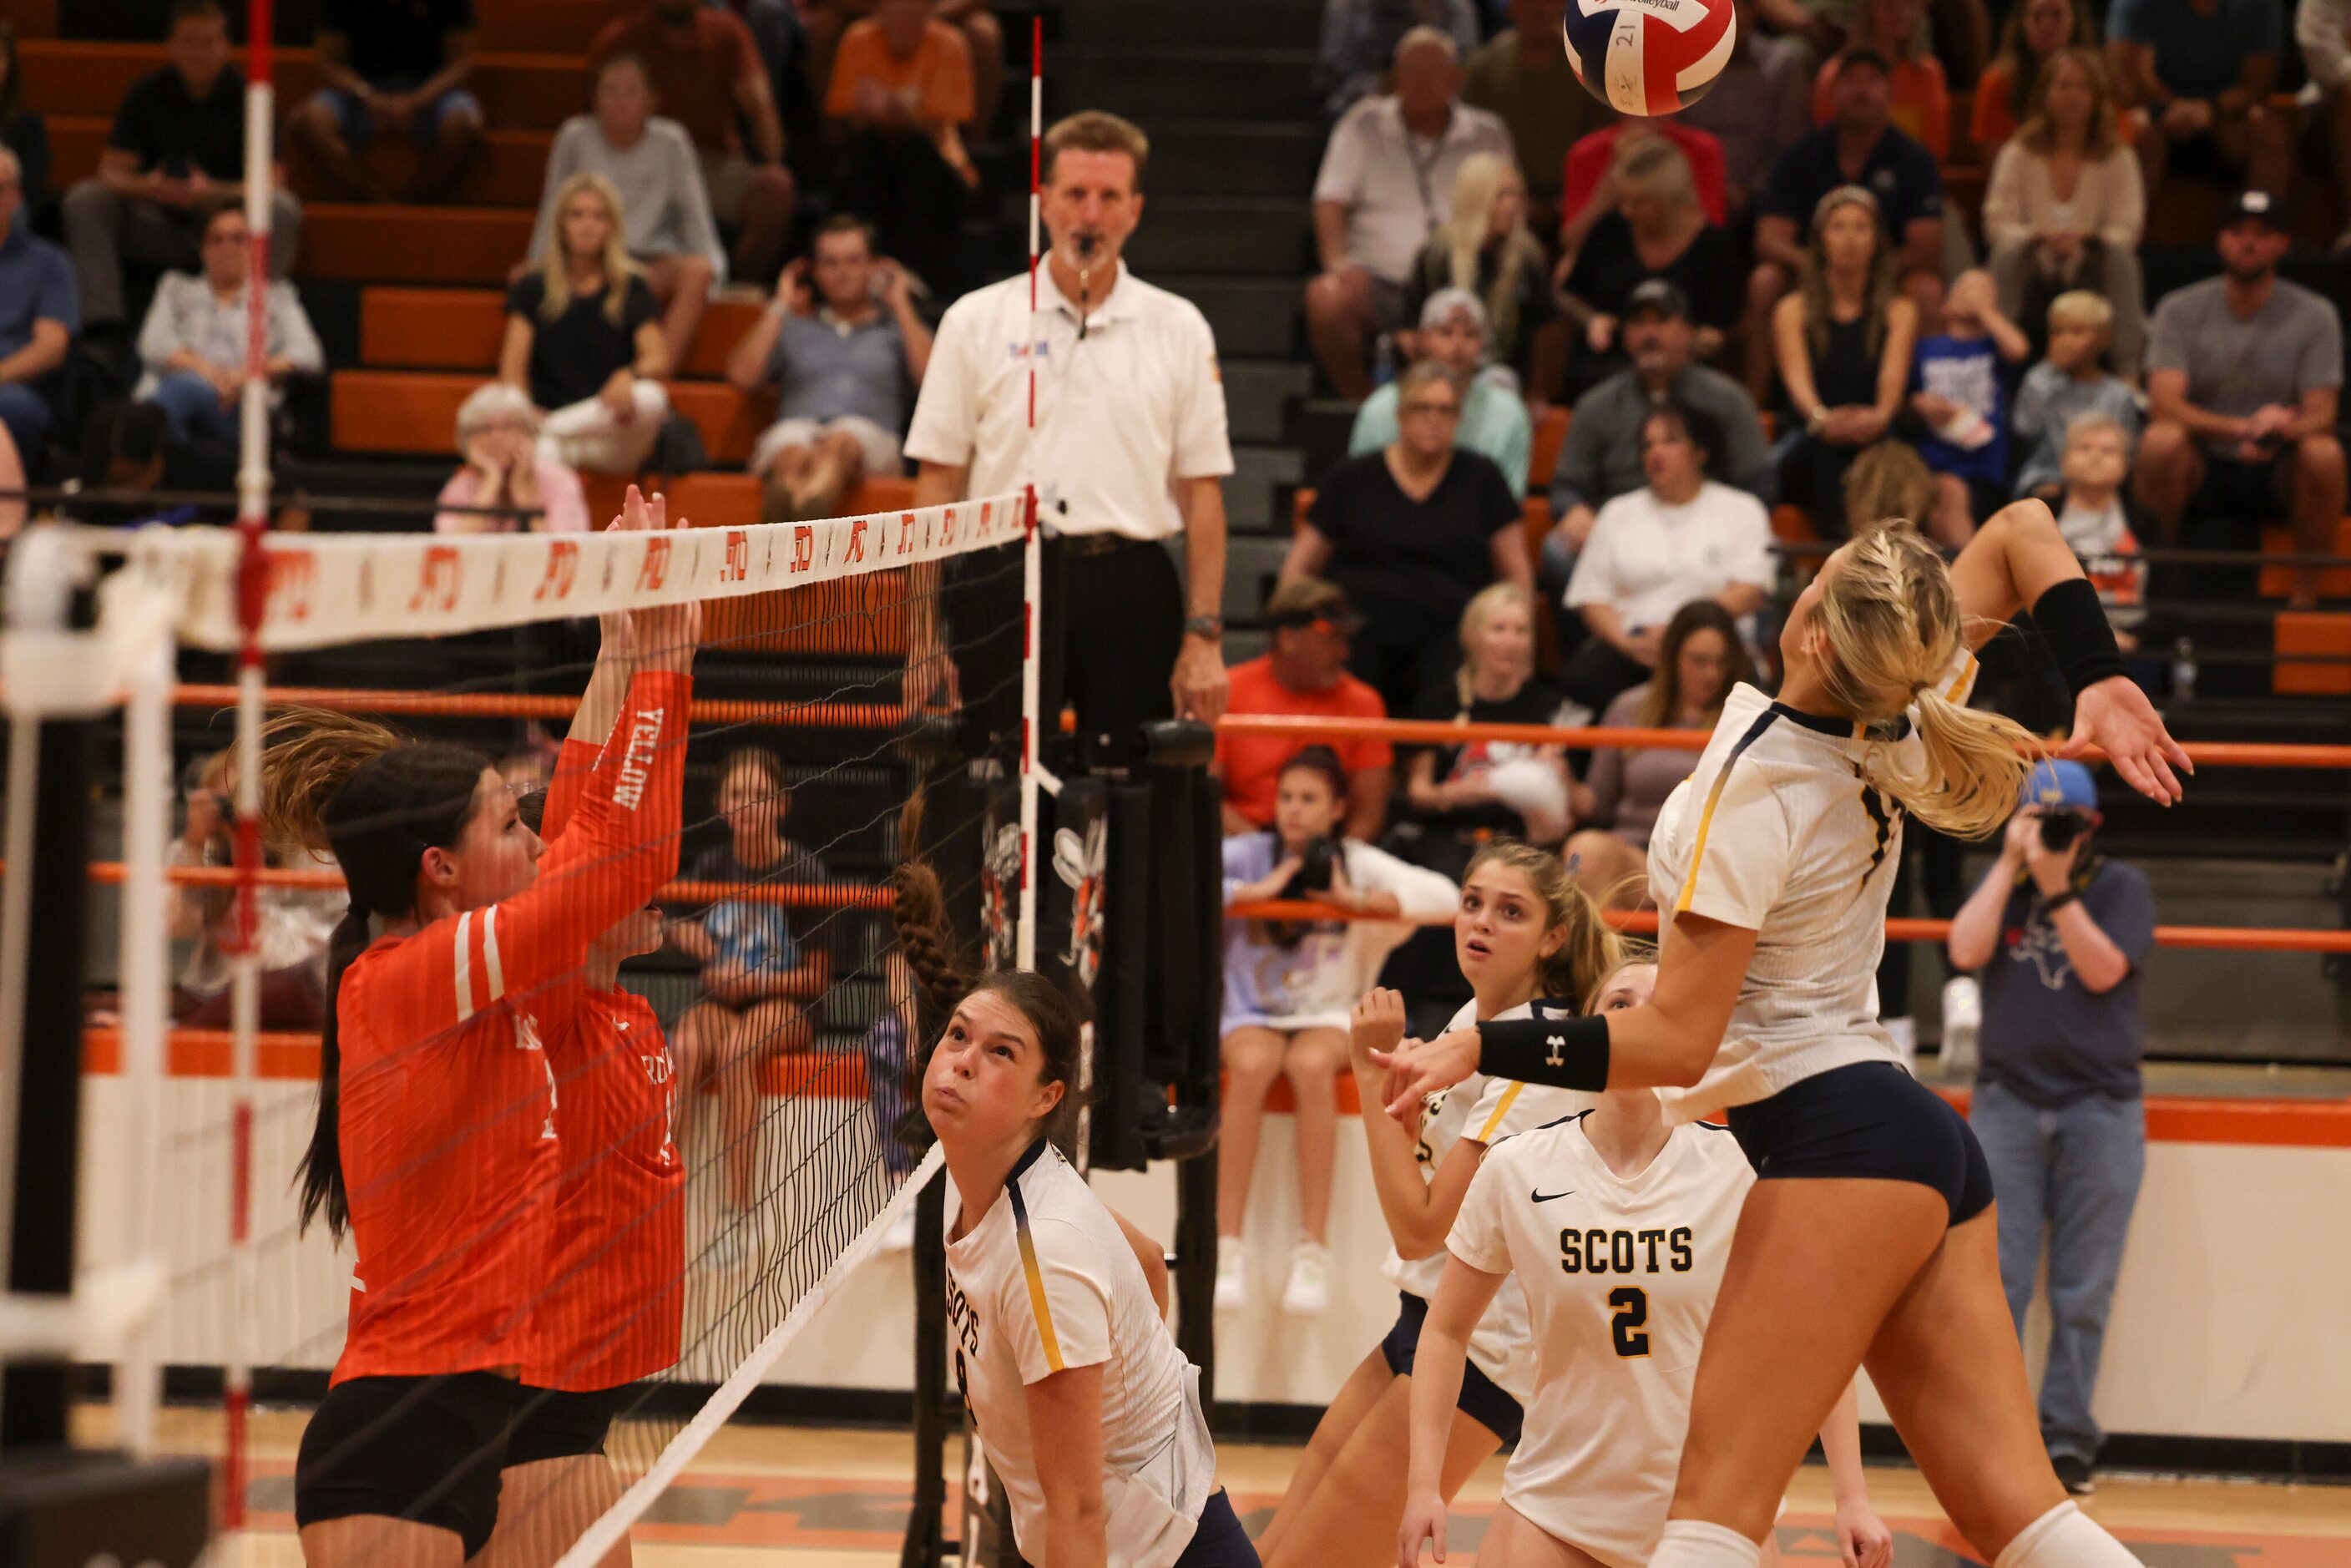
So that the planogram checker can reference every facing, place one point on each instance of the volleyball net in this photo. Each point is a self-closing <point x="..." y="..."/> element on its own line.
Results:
<point x="842" y="664"/>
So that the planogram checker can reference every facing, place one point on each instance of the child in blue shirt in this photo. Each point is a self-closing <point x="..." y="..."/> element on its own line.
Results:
<point x="1957" y="390"/>
<point x="2066" y="385"/>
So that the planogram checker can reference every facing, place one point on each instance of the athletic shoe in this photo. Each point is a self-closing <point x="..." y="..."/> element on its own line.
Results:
<point x="1232" y="1273"/>
<point x="1962" y="1023"/>
<point x="2074" y="1474"/>
<point x="1307" y="1293"/>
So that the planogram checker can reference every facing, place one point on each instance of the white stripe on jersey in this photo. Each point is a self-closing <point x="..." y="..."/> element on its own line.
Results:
<point x="465" y="969"/>
<point x="492" y="968"/>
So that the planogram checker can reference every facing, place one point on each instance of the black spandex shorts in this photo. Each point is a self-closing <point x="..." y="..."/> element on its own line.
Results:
<point x="1220" y="1542"/>
<point x="423" y="1449"/>
<point x="559" y="1426"/>
<point x="1481" y="1400"/>
<point x="1870" y="1120"/>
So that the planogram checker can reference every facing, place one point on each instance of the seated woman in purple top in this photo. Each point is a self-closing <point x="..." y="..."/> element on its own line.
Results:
<point x="1699" y="659"/>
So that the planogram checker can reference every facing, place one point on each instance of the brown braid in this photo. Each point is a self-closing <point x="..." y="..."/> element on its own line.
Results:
<point x="918" y="909"/>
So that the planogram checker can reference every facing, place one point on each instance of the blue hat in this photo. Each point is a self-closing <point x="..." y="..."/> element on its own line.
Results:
<point x="2063" y="786"/>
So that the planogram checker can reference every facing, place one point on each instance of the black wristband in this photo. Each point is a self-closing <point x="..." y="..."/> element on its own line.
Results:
<point x="2074" y="623"/>
<point x="2071" y="895"/>
<point x="1565" y="1053"/>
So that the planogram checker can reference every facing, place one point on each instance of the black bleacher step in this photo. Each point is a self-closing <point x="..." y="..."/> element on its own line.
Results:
<point x="1261" y="475"/>
<point x="1145" y="24"/>
<point x="1259" y="235"/>
<point x="1252" y="318"/>
<point x="1193" y="83"/>
<point x="1321" y="426"/>
<point x="1212" y="158"/>
<point x="1257" y="395"/>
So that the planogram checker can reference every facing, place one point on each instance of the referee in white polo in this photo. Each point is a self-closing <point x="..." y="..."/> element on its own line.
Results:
<point x="1130" y="451"/>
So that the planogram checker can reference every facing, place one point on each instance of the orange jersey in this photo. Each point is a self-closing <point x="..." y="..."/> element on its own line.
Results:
<point x="612" y="1309"/>
<point x="450" y="1150"/>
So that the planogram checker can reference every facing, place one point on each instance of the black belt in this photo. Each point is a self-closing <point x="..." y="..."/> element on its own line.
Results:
<point x="1079" y="547"/>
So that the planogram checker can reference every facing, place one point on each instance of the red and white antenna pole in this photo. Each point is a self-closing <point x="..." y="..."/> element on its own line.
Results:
<point x="1033" y="545"/>
<point x="252" y="587"/>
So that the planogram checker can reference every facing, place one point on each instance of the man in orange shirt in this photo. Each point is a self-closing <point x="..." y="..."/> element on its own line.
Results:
<point x="899" y="97"/>
<point x="1303" y="676"/>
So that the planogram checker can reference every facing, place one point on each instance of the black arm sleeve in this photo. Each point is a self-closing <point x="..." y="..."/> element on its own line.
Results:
<point x="1565" y="1053"/>
<point x="2082" y="643"/>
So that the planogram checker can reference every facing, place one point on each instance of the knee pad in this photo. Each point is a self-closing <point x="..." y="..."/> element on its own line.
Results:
<point x="2065" y="1537"/>
<point x="1695" y="1543"/>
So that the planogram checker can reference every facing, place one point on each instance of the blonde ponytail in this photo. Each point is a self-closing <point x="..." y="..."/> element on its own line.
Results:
<point x="1892" y="624"/>
<point x="1593" y="950"/>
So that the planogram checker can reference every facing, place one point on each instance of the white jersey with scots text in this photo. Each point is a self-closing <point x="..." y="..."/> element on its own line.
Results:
<point x="1775" y="832"/>
<point x="1044" y="1282"/>
<point x="1483" y="1109"/>
<point x="1620" y="1274"/>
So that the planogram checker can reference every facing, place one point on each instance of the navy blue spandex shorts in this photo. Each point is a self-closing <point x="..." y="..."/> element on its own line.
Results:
<point x="1870" y="1120"/>
<point x="1482" y="1398"/>
<point x="1220" y="1541"/>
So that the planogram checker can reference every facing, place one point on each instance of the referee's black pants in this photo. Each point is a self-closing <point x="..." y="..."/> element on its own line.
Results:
<point x="1111" y="627"/>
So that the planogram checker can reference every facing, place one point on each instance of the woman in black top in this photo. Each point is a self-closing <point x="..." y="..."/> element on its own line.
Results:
<point x="1487" y="249"/>
<point x="1411" y="532"/>
<point x="1658" y="230"/>
<point x="21" y="131"/>
<point x="583" y="337"/>
<point x="1483" y="787"/>
<point x="1842" y="340"/>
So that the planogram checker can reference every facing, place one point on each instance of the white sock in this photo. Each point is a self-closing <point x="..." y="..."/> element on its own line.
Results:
<point x="2065" y="1537"/>
<point x="1695" y="1543"/>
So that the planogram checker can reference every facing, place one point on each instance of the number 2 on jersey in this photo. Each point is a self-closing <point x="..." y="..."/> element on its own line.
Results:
<point x="1630" y="1330"/>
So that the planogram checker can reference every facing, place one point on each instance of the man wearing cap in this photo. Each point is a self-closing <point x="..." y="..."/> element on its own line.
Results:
<point x="1303" y="674"/>
<point x="1603" y="456"/>
<point x="1493" y="420"/>
<point x="2243" y="374"/>
<point x="2060" y="933"/>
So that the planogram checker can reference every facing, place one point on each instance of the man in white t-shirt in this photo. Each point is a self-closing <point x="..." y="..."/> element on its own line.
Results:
<point x="1386" y="184"/>
<point x="1130" y="449"/>
<point x="1681" y="537"/>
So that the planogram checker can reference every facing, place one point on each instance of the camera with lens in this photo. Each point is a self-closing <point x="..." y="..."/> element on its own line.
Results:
<point x="1316" y="862"/>
<point x="2060" y="829"/>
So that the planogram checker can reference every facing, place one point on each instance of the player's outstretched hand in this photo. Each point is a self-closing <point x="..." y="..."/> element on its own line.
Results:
<point x="2115" y="717"/>
<point x="1419" y="1068"/>
<point x="1862" y="1537"/>
<point x="1424" y="1520"/>
<point x="666" y="635"/>
<point x="1377" y="1027"/>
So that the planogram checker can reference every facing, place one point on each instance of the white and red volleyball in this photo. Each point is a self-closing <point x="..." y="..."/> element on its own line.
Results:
<point x="1649" y="56"/>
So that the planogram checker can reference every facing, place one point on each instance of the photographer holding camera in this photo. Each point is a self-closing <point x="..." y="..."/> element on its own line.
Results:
<point x="1290" y="987"/>
<point x="2059" y="932"/>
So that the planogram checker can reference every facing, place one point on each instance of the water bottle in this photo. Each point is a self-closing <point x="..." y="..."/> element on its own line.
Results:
<point x="2183" y="670"/>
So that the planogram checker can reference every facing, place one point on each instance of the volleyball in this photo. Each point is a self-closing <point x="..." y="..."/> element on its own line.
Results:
<point x="1649" y="56"/>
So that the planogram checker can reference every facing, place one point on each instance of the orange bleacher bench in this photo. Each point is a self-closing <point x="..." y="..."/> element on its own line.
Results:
<point x="359" y="241"/>
<point x="508" y="173"/>
<point x="460" y="329"/>
<point x="2310" y="632"/>
<point x="416" y="412"/>
<point x="2277" y="581"/>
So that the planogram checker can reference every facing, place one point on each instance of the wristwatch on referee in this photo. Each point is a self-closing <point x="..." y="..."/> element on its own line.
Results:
<point x="1212" y="627"/>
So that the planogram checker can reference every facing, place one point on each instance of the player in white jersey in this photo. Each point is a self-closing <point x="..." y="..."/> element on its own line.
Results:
<point x="1773" y="865"/>
<point x="1531" y="944"/>
<point x="1087" y="1411"/>
<point x="1618" y="1224"/>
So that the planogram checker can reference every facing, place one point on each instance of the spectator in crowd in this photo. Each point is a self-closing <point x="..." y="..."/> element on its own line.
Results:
<point x="1958" y="392"/>
<point x="192" y="345"/>
<point x="665" y="212"/>
<point x="2321" y="28"/>
<point x="2203" y="73"/>
<point x="1303" y="674"/>
<point x="391" y="71"/>
<point x="762" y="963"/>
<point x="1699" y="658"/>
<point x="22" y="131"/>
<point x="1290" y="987"/>
<point x="1844" y="342"/>
<point x="1860" y="149"/>
<point x="1919" y="97"/>
<point x="1461" y="794"/>
<point x="2061" y="933"/>
<point x="38" y="318"/>
<point x="1487" y="249"/>
<point x="2244" y="371"/>
<point x="583" y="338"/>
<point x="1757" y="109"/>
<point x="504" y="466"/>
<point x="1360" y="39"/>
<point x="292" y="925"/>
<point x="2100" y="523"/>
<point x="2042" y="243"/>
<point x="1493" y="422"/>
<point x="176" y="148"/>
<point x="983" y="34"/>
<point x="2066" y="385"/>
<point x="1521" y="76"/>
<point x="1680" y="537"/>
<point x="1375" y="202"/>
<point x="1595" y="163"/>
<point x="844" y="343"/>
<point x="1603" y="457"/>
<point x="2035" y="31"/>
<point x="899" y="97"/>
<point x="1658" y="231"/>
<point x="1411" y="532"/>
<point x="705" y="70"/>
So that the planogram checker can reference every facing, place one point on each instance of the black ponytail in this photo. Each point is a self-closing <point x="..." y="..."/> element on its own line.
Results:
<point x="321" y="1171"/>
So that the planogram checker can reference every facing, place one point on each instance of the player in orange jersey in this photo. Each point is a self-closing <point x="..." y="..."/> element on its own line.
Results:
<point x="436" y="1145"/>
